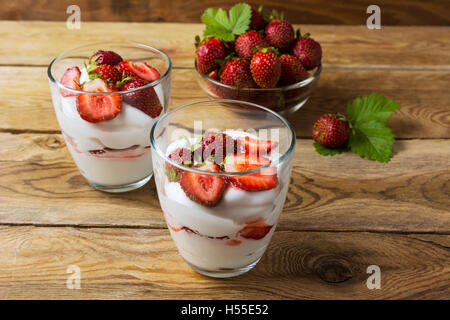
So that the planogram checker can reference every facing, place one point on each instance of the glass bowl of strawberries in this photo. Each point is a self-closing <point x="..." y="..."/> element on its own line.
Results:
<point x="259" y="59"/>
<point x="106" y="98"/>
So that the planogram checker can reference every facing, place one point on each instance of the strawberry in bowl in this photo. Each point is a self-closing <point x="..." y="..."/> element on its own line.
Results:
<point x="222" y="190"/>
<point x="106" y="106"/>
<point x="284" y="65"/>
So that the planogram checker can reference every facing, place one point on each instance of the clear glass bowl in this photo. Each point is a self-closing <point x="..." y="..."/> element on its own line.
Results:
<point x="228" y="238"/>
<point x="284" y="100"/>
<point x="113" y="155"/>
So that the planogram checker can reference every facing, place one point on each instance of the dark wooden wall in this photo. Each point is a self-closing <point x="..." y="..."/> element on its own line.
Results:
<point x="351" y="12"/>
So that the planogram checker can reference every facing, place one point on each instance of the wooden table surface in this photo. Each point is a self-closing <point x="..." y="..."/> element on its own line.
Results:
<point x="342" y="213"/>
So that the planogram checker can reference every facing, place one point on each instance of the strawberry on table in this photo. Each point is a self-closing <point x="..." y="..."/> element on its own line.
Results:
<point x="70" y="79"/>
<point x="280" y="34"/>
<point x="205" y="189"/>
<point x="145" y="99"/>
<point x="266" y="68"/>
<point x="292" y="70"/>
<point x="236" y="72"/>
<point x="139" y="69"/>
<point x="98" y="107"/>
<point x="208" y="51"/>
<point x="331" y="130"/>
<point x="105" y="57"/>
<point x="307" y="50"/>
<point x="264" y="179"/>
<point x="247" y="42"/>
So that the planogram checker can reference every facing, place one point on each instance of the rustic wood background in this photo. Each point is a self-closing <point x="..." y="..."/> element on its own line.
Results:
<point x="336" y="12"/>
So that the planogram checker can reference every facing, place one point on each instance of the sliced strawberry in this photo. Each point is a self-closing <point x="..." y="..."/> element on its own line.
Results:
<point x="70" y="79"/>
<point x="256" y="230"/>
<point x="256" y="146"/>
<point x="98" y="107"/>
<point x="145" y="100"/>
<point x="181" y="156"/>
<point x="264" y="179"/>
<point x="203" y="188"/>
<point x="141" y="69"/>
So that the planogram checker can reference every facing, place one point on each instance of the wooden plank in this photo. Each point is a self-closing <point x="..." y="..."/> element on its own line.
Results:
<point x="345" y="192"/>
<point x="424" y="97"/>
<point x="434" y="12"/>
<point x="144" y="264"/>
<point x="342" y="45"/>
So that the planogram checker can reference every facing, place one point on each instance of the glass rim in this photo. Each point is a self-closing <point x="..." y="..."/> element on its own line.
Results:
<point x="296" y="85"/>
<point x="274" y="163"/>
<point x="137" y="44"/>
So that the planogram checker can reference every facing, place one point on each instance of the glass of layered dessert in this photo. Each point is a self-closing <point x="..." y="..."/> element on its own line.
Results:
<point x="222" y="170"/>
<point x="106" y="97"/>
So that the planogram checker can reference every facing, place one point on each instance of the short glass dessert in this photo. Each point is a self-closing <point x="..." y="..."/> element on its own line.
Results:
<point x="106" y="97"/>
<point x="222" y="170"/>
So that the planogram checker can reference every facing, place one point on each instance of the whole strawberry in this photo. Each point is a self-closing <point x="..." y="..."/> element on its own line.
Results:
<point x="236" y="72"/>
<point x="145" y="100"/>
<point x="308" y="51"/>
<point x="106" y="72"/>
<point x="208" y="51"/>
<point x="266" y="68"/>
<point x="331" y="130"/>
<point x="280" y="34"/>
<point x="256" y="21"/>
<point x="246" y="42"/>
<point x="292" y="70"/>
<point x="105" y="57"/>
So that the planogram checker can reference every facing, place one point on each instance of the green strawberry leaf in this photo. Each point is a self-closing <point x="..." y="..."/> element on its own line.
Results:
<point x="219" y="25"/>
<point x="372" y="140"/>
<point x="329" y="151"/>
<point x="372" y="107"/>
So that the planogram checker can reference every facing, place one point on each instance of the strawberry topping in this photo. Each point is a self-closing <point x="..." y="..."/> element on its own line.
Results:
<point x="105" y="57"/>
<point x="140" y="69"/>
<point x="70" y="79"/>
<point x="205" y="189"/>
<point x="256" y="146"/>
<point x="145" y="100"/>
<point x="98" y="107"/>
<point x="264" y="179"/>
<point x="108" y="73"/>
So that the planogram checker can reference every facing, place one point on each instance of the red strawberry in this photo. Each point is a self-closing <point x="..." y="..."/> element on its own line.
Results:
<point x="105" y="57"/>
<point x="236" y="73"/>
<point x="140" y="69"/>
<point x="292" y="70"/>
<point x="205" y="189"/>
<point x="108" y="73"/>
<point x="214" y="75"/>
<point x="208" y="51"/>
<point x="266" y="68"/>
<point x="98" y="107"/>
<point x="255" y="146"/>
<point x="246" y="42"/>
<point x="256" y="230"/>
<point x="216" y="144"/>
<point x="308" y="51"/>
<point x="331" y="130"/>
<point x="280" y="34"/>
<point x="145" y="100"/>
<point x="181" y="156"/>
<point x="257" y="21"/>
<point x="70" y="79"/>
<point x="262" y="180"/>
